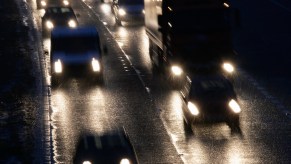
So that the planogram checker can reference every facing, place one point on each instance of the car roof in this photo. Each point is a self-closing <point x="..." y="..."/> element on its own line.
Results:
<point x="78" y="31"/>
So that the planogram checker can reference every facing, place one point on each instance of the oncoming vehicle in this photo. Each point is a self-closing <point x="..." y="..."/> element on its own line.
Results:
<point x="127" y="10"/>
<point x="75" y="52"/>
<point x="210" y="98"/>
<point x="46" y="3"/>
<point x="58" y="16"/>
<point x="111" y="147"/>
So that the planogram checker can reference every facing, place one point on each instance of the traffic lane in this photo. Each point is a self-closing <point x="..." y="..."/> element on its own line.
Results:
<point x="262" y="43"/>
<point x="264" y="135"/>
<point x="212" y="137"/>
<point x="125" y="104"/>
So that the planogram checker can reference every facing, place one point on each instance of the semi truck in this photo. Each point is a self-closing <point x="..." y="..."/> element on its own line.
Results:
<point x="186" y="36"/>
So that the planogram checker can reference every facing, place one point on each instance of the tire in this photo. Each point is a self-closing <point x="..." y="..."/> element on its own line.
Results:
<point x="187" y="127"/>
<point x="117" y="22"/>
<point x="55" y="81"/>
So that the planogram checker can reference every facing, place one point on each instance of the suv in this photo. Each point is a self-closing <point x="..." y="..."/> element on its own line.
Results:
<point x="210" y="98"/>
<point x="75" y="52"/>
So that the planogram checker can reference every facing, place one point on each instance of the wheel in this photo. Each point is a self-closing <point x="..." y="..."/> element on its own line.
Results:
<point x="55" y="81"/>
<point x="117" y="21"/>
<point x="233" y="123"/>
<point x="187" y="127"/>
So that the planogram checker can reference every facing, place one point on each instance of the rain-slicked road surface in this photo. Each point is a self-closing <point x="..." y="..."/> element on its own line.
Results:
<point x="150" y="111"/>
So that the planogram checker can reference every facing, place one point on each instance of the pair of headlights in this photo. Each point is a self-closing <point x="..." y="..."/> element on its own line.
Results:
<point x="122" y="161"/>
<point x="43" y="3"/>
<point x="58" y="66"/>
<point x="177" y="71"/>
<point x="122" y="12"/>
<point x="71" y="23"/>
<point x="232" y="104"/>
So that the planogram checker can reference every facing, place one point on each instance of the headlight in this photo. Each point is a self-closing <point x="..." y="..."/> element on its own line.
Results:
<point x="49" y="24"/>
<point x="176" y="70"/>
<point x="66" y="2"/>
<point x="228" y="67"/>
<point x="43" y="3"/>
<point x="143" y="11"/>
<point x="96" y="65"/>
<point x="121" y="12"/>
<point x="124" y="161"/>
<point x="193" y="108"/>
<point x="234" y="106"/>
<point x="58" y="66"/>
<point x="87" y="162"/>
<point x="72" y="23"/>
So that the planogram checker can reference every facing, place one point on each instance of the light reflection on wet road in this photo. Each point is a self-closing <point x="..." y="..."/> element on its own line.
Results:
<point x="77" y="107"/>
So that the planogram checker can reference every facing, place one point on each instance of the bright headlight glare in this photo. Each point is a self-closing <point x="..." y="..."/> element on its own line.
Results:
<point x="121" y="12"/>
<point x="124" y="161"/>
<point x="87" y="162"/>
<point x="66" y="2"/>
<point x="43" y="3"/>
<point x="193" y="108"/>
<point x="143" y="11"/>
<point x="96" y="65"/>
<point x="49" y="24"/>
<point x="58" y="66"/>
<point x="234" y="106"/>
<point x="228" y="67"/>
<point x="176" y="70"/>
<point x="72" y="23"/>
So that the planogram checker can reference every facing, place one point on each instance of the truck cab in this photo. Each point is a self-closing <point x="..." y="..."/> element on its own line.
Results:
<point x="185" y="34"/>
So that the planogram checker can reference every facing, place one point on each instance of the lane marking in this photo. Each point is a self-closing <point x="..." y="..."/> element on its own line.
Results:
<point x="277" y="104"/>
<point x="280" y="5"/>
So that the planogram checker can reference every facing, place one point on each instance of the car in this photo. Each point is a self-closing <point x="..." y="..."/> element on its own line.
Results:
<point x="41" y="4"/>
<point x="58" y="16"/>
<point x="110" y="147"/>
<point x="76" y="52"/>
<point x="210" y="98"/>
<point x="127" y="10"/>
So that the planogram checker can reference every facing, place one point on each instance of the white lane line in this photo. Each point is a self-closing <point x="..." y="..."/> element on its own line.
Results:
<point x="280" y="5"/>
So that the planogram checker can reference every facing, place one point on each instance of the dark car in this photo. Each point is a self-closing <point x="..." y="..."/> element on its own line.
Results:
<point x="127" y="10"/>
<point x="58" y="16"/>
<point x="41" y="4"/>
<point x="210" y="98"/>
<point x="112" y="147"/>
<point x="76" y="51"/>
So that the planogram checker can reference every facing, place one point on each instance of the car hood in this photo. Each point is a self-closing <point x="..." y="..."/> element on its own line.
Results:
<point x="76" y="58"/>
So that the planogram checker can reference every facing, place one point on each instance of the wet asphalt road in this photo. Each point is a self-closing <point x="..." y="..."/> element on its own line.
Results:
<point x="151" y="114"/>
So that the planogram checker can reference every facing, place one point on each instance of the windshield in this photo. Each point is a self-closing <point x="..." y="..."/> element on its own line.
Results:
<point x="131" y="2"/>
<point x="75" y="44"/>
<point x="200" y="20"/>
